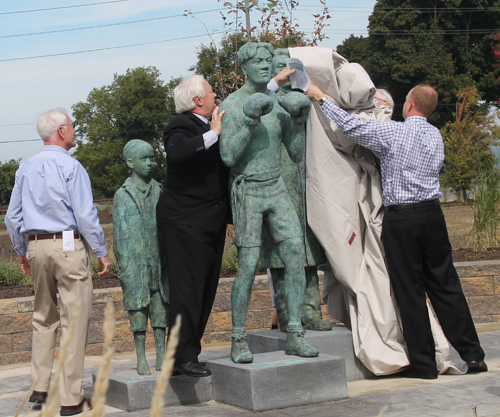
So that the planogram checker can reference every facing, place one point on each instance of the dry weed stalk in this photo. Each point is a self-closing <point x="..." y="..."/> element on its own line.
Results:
<point x="24" y="401"/>
<point x="102" y="380"/>
<point x="383" y="410"/>
<point x="167" y="366"/>
<point x="29" y="409"/>
<point x="85" y="411"/>
<point x="51" y="406"/>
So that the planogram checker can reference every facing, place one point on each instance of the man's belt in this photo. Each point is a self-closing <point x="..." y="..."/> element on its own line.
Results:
<point x="407" y="206"/>
<point x="41" y="236"/>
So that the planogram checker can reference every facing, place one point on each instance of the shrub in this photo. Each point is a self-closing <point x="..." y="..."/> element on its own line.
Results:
<point x="94" y="264"/>
<point x="12" y="275"/>
<point x="104" y="207"/>
<point x="486" y="208"/>
<point x="230" y="258"/>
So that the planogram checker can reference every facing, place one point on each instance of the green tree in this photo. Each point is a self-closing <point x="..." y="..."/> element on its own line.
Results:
<point x="136" y="105"/>
<point x="219" y="66"/>
<point x="218" y="61"/>
<point x="467" y="143"/>
<point x="444" y="43"/>
<point x="7" y="179"/>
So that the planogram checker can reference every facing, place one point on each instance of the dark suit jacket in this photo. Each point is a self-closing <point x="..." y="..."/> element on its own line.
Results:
<point x="196" y="191"/>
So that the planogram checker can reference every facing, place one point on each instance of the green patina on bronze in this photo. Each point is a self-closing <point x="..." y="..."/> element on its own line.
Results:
<point x="141" y="269"/>
<point x="256" y="123"/>
<point x="294" y="175"/>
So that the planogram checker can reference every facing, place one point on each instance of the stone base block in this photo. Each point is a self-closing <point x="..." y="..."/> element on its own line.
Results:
<point x="275" y="380"/>
<point x="337" y="342"/>
<point x="130" y="392"/>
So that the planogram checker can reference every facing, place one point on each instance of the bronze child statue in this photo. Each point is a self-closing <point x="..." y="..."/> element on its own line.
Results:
<point x="136" y="245"/>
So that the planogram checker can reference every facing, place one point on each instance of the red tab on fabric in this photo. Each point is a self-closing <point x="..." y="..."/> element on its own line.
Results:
<point x="352" y="238"/>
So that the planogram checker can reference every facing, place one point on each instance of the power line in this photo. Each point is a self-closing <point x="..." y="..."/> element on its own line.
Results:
<point x="347" y="31"/>
<point x="18" y="124"/>
<point x="397" y="9"/>
<point x="433" y="32"/>
<point x="105" y="25"/>
<point x="409" y="32"/>
<point x="102" y="49"/>
<point x="438" y="9"/>
<point x="63" y="7"/>
<point x="20" y="141"/>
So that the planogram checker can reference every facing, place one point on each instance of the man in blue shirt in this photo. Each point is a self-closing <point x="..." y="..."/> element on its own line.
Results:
<point x="52" y="205"/>
<point x="418" y="250"/>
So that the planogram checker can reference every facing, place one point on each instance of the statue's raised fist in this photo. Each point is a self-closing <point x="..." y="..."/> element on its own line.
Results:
<point x="297" y="104"/>
<point x="255" y="106"/>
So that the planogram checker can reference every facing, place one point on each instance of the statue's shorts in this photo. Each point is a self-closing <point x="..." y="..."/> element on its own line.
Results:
<point x="265" y="202"/>
<point x="156" y="311"/>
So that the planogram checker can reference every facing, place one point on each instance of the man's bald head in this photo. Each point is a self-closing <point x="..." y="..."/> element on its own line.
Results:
<point x="425" y="98"/>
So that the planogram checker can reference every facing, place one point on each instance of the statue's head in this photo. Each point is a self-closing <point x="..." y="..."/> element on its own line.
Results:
<point x="279" y="64"/>
<point x="256" y="61"/>
<point x="139" y="156"/>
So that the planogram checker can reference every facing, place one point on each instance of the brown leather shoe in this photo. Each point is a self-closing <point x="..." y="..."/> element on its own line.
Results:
<point x="71" y="410"/>
<point x="38" y="397"/>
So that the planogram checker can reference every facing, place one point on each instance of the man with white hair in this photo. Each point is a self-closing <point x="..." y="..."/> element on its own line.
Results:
<point x="384" y="98"/>
<point x="192" y="215"/>
<point x="52" y="204"/>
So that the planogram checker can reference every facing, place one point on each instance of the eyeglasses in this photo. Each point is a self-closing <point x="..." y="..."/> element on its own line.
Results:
<point x="72" y="124"/>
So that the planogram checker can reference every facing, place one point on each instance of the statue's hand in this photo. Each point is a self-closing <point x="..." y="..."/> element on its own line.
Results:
<point x="298" y="105"/>
<point x="255" y="106"/>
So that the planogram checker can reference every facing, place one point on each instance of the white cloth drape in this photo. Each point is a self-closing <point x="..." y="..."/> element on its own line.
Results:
<point x="344" y="210"/>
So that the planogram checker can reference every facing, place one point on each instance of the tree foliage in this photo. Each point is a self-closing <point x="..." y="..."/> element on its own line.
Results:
<point x="219" y="65"/>
<point x="136" y="105"/>
<point x="218" y="61"/>
<point x="467" y="142"/>
<point x="7" y="179"/>
<point x="444" y="43"/>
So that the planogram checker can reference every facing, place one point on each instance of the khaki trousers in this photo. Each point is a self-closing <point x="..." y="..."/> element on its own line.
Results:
<point x="67" y="272"/>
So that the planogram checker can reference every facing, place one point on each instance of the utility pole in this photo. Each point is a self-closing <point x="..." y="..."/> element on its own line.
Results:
<point x="247" y="13"/>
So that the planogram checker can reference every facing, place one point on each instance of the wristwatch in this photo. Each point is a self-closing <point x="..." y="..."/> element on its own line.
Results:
<point x="321" y="101"/>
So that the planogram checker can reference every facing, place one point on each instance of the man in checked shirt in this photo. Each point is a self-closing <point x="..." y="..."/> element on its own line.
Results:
<point x="418" y="250"/>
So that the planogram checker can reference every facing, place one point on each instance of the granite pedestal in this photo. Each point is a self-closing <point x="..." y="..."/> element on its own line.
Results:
<point x="130" y="391"/>
<point x="337" y="342"/>
<point x="275" y="380"/>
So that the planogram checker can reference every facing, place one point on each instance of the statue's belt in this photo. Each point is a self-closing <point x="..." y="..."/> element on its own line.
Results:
<point x="238" y="198"/>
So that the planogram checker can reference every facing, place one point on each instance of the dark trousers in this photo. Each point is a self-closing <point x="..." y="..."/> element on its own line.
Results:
<point x="418" y="253"/>
<point x="194" y="258"/>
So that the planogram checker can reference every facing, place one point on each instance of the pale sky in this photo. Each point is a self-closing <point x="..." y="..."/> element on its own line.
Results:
<point x="29" y="86"/>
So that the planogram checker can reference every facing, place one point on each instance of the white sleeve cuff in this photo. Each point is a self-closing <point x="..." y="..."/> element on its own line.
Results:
<point x="210" y="138"/>
<point x="273" y="85"/>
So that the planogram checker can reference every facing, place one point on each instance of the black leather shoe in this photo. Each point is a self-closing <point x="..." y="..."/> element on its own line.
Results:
<point x="71" y="410"/>
<point x="38" y="397"/>
<point x="477" y="366"/>
<point x="411" y="373"/>
<point x="194" y="369"/>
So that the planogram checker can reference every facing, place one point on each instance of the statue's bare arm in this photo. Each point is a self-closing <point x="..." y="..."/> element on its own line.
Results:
<point x="235" y="136"/>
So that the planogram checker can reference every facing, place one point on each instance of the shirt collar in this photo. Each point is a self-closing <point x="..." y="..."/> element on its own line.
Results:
<point x="203" y="118"/>
<point x="130" y="183"/>
<point x="416" y="119"/>
<point x="55" y="148"/>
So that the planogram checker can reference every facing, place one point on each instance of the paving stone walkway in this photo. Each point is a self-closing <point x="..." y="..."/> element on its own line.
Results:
<point x="448" y="396"/>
